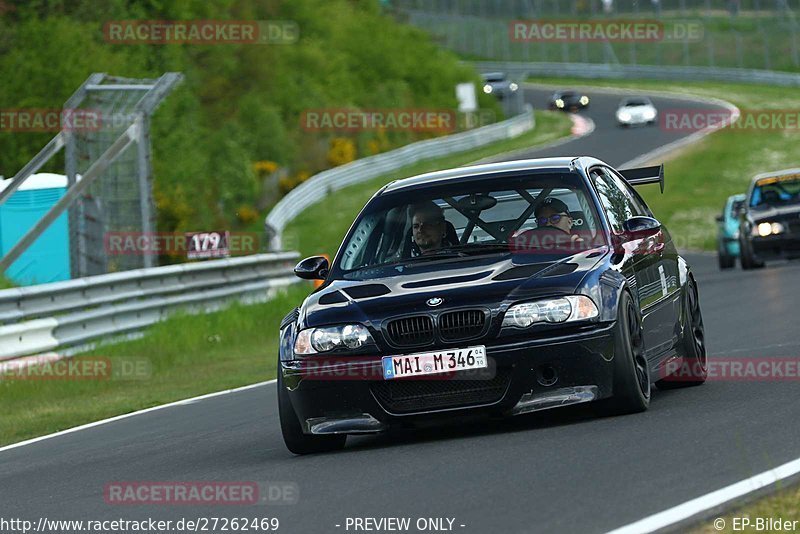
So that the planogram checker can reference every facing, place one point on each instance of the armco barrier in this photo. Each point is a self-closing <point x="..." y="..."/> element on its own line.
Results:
<point x="50" y="316"/>
<point x="320" y="185"/>
<point x="521" y="70"/>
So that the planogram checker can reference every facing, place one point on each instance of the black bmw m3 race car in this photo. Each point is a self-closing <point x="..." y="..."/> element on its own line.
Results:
<point x="770" y="221"/>
<point x="491" y="290"/>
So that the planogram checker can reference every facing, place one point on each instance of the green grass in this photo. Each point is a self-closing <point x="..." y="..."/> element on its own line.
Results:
<point x="784" y="505"/>
<point x="189" y="355"/>
<point x="186" y="355"/>
<point x="699" y="178"/>
<point x="338" y="210"/>
<point x="5" y="283"/>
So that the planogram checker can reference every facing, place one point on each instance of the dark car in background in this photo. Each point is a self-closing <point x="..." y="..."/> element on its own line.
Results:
<point x="491" y="290"/>
<point x="568" y="101"/>
<point x="728" y="231"/>
<point x="498" y="84"/>
<point x="769" y="227"/>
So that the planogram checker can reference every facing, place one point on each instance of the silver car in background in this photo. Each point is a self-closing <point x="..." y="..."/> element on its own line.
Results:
<point x="636" y="110"/>
<point x="498" y="84"/>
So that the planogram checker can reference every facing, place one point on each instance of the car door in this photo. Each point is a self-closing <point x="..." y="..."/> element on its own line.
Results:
<point x="644" y="268"/>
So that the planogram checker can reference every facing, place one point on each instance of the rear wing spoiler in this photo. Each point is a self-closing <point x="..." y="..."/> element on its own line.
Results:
<point x="645" y="175"/>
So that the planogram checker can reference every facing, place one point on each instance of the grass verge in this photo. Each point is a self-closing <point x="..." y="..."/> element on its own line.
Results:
<point x="185" y="356"/>
<point x="700" y="177"/>
<point x="781" y="507"/>
<point x="189" y="355"/>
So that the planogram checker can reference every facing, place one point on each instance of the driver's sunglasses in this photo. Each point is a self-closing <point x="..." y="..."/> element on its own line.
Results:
<point x="554" y="219"/>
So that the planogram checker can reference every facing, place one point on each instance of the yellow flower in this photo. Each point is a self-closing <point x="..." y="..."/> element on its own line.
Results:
<point x="267" y="167"/>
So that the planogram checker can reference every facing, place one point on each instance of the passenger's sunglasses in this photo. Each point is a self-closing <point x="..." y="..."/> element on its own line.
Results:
<point x="553" y="219"/>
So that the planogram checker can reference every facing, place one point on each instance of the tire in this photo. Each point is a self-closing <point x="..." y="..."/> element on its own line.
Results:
<point x="747" y="258"/>
<point x="294" y="438"/>
<point x="725" y="261"/>
<point x="694" y="368"/>
<point x="631" y="371"/>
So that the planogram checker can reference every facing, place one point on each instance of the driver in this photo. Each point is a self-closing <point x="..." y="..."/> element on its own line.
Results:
<point x="427" y="226"/>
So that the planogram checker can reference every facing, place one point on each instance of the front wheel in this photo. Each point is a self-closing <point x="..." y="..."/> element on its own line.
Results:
<point x="294" y="438"/>
<point x="631" y="373"/>
<point x="747" y="257"/>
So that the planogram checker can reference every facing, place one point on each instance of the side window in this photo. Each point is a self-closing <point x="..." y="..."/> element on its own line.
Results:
<point x="616" y="200"/>
<point x="639" y="206"/>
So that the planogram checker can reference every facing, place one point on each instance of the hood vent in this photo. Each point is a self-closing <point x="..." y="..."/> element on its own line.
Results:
<point x="334" y="297"/>
<point x="449" y="280"/>
<point x="367" y="291"/>
<point x="561" y="269"/>
<point x="521" y="271"/>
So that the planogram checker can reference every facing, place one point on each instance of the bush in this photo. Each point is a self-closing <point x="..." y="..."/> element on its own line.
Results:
<point x="239" y="103"/>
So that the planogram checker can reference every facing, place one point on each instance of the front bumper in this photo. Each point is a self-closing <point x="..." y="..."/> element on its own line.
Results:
<point x="779" y="246"/>
<point x="524" y="376"/>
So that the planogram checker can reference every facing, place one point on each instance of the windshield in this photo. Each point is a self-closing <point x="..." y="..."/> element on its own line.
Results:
<point x="494" y="77"/>
<point x="635" y="102"/>
<point x="776" y="191"/>
<point x="548" y="214"/>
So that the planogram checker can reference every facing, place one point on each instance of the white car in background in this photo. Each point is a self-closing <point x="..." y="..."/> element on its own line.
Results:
<point x="636" y="110"/>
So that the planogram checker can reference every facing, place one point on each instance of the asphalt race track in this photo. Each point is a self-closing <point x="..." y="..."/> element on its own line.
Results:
<point x="559" y="471"/>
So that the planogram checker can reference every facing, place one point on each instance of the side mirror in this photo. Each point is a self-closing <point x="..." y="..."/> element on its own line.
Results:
<point x="313" y="268"/>
<point x="719" y="218"/>
<point x="640" y="228"/>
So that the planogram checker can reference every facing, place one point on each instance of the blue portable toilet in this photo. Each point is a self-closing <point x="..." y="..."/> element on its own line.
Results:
<point x="47" y="259"/>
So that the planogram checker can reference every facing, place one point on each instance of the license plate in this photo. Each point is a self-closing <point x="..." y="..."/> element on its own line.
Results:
<point x="431" y="363"/>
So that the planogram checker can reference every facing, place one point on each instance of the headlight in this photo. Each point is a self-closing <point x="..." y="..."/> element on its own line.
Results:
<point x="584" y="100"/>
<point x="649" y="114"/>
<point x="623" y="116"/>
<point x="559" y="103"/>
<point x="765" y="228"/>
<point x="314" y="340"/>
<point x="487" y="88"/>
<point x="513" y="86"/>
<point x="561" y="310"/>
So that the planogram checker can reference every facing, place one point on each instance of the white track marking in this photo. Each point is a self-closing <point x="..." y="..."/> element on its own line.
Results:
<point x="711" y="500"/>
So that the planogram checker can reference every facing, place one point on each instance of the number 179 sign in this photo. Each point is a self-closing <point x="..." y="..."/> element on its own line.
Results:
<point x="200" y="245"/>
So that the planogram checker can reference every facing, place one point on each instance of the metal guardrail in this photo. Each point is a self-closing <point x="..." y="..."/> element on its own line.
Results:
<point x="516" y="69"/>
<point x="320" y="185"/>
<point x="41" y="318"/>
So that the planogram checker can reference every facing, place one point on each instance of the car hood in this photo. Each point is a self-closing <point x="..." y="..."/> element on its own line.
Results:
<point x="486" y="281"/>
<point x="636" y="111"/>
<point x="775" y="213"/>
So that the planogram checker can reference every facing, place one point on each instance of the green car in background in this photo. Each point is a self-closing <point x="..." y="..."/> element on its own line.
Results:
<point x="728" y="234"/>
